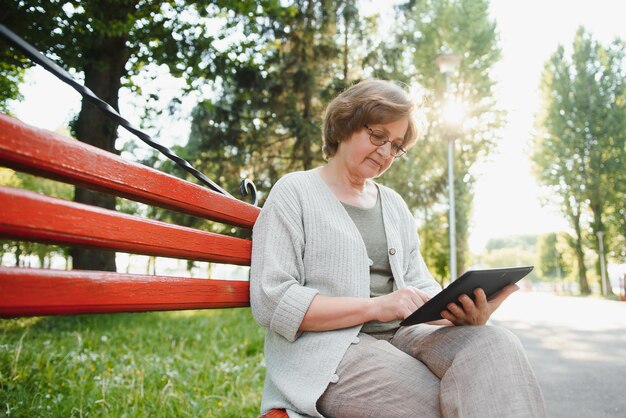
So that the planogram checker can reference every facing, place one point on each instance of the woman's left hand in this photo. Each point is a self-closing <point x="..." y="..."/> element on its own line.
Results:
<point x="476" y="312"/>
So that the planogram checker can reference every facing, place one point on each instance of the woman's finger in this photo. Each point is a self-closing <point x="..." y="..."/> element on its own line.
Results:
<point x="423" y="295"/>
<point x="447" y="315"/>
<point x="468" y="303"/>
<point x="456" y="310"/>
<point x="480" y="299"/>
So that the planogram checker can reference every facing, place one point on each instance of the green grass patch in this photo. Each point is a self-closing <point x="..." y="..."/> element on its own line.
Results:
<point x="162" y="364"/>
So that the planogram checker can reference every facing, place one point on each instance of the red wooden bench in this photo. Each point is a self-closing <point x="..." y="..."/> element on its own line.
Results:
<point x="30" y="216"/>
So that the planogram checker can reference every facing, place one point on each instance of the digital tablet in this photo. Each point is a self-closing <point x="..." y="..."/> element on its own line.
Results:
<point x="490" y="280"/>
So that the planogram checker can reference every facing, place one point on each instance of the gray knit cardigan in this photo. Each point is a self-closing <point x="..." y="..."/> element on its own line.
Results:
<point x="305" y="243"/>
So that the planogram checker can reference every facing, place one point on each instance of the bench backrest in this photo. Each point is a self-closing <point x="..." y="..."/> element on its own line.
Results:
<point x="29" y="216"/>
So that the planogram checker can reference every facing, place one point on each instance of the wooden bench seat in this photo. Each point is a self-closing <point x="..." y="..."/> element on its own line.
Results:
<point x="29" y="216"/>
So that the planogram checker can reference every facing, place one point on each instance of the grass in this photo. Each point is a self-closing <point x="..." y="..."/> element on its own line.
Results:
<point x="165" y="364"/>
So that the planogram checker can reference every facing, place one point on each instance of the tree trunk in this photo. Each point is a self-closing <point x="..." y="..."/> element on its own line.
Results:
<point x="580" y="257"/>
<point x="151" y="267"/>
<point x="104" y="68"/>
<point x="582" y="270"/>
<point x="18" y="254"/>
<point x="573" y="210"/>
<point x="596" y="227"/>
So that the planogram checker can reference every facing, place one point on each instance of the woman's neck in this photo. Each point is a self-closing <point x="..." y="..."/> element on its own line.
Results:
<point x="350" y="189"/>
<point x="333" y="173"/>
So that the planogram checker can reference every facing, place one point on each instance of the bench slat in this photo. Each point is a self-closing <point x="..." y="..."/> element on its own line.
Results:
<point x="34" y="217"/>
<point x="47" y="154"/>
<point x="30" y="292"/>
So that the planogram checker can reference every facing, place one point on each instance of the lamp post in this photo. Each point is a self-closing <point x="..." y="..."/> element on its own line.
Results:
<point x="447" y="64"/>
<point x="600" y="235"/>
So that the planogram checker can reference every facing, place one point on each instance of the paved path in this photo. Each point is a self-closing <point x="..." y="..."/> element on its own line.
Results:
<point x="577" y="347"/>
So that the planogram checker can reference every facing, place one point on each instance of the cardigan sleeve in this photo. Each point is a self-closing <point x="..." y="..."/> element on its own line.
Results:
<point x="278" y="296"/>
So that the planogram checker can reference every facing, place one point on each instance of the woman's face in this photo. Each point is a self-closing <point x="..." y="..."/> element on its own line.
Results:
<point x="366" y="160"/>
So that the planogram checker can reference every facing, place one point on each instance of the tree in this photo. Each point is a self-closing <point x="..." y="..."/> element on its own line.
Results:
<point x="107" y="42"/>
<point x="11" y="76"/>
<point x="551" y="263"/>
<point x="265" y="119"/>
<point x="580" y="149"/>
<point x="266" y="116"/>
<point x="426" y="29"/>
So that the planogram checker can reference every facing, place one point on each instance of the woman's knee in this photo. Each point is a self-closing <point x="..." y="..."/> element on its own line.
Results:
<point x="494" y="339"/>
<point x="500" y="336"/>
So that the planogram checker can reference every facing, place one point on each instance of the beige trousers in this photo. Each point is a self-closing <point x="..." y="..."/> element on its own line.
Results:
<point x="431" y="371"/>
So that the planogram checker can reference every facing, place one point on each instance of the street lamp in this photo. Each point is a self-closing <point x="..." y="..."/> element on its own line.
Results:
<point x="447" y="64"/>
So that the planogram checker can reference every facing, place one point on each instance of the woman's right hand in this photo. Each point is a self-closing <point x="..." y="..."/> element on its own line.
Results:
<point x="335" y="312"/>
<point x="398" y="304"/>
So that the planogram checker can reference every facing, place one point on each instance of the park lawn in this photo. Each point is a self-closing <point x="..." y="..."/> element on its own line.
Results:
<point x="164" y="364"/>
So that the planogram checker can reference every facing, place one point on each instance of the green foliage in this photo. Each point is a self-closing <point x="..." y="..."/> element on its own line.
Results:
<point x="10" y="78"/>
<point x="272" y="67"/>
<point x="170" y="32"/>
<point x="580" y="148"/>
<point x="426" y="29"/>
<point x="265" y="118"/>
<point x="436" y="252"/>
<point x="510" y="256"/>
<point x="183" y="364"/>
<point x="517" y="250"/>
<point x="551" y="257"/>
<point x="22" y="252"/>
<point x="108" y="42"/>
<point x="525" y="242"/>
<point x="44" y="186"/>
<point x="278" y="74"/>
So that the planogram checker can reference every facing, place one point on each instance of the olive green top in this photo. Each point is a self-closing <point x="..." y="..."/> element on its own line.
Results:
<point x="369" y="222"/>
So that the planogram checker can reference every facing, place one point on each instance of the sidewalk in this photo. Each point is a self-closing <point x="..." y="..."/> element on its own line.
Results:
<point x="577" y="347"/>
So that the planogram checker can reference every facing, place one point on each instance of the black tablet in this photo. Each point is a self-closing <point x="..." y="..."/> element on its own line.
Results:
<point x="490" y="280"/>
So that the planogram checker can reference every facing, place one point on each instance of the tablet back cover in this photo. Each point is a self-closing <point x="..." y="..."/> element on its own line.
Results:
<point x="490" y="280"/>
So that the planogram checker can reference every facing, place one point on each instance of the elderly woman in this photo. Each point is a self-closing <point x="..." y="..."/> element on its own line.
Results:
<point x="336" y="266"/>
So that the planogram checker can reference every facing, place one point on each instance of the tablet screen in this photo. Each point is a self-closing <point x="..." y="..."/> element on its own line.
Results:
<point x="490" y="280"/>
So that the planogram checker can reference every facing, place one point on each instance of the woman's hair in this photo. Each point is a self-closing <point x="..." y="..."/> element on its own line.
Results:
<point x="367" y="102"/>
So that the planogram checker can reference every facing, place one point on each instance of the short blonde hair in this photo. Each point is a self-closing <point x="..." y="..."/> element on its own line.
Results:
<point x="367" y="102"/>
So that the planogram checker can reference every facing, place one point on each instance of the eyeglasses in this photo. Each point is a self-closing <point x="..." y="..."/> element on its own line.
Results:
<point x="379" y="138"/>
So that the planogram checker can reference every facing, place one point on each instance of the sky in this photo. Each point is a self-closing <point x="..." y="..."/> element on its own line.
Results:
<point x="507" y="198"/>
